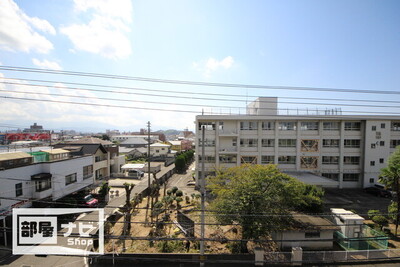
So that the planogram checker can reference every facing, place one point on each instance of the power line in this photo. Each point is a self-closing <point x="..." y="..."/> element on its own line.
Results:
<point x="155" y="80"/>
<point x="173" y="103"/>
<point x="187" y="92"/>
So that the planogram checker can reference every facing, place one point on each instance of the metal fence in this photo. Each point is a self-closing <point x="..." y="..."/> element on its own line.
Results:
<point x="333" y="256"/>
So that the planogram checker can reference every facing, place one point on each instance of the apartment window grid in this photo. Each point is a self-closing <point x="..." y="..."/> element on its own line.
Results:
<point x="310" y="145"/>
<point x="330" y="160"/>
<point x="287" y="142"/>
<point x="207" y="159"/>
<point x="227" y="159"/>
<point x="352" y="126"/>
<point x="351" y="177"/>
<point x="248" y="125"/>
<point x="332" y="176"/>
<point x="352" y="143"/>
<point x="351" y="160"/>
<point x="287" y="160"/>
<point x="268" y="142"/>
<point x="248" y="160"/>
<point x="395" y="126"/>
<point x="373" y="145"/>
<point x="207" y="126"/>
<point x="331" y="126"/>
<point x="267" y="159"/>
<point x="42" y="185"/>
<point x="381" y="160"/>
<point x="309" y="162"/>
<point x="248" y="142"/>
<point x="268" y="125"/>
<point x="309" y="126"/>
<point x="87" y="171"/>
<point x="371" y="180"/>
<point x="18" y="190"/>
<point x="372" y="163"/>
<point x="383" y="125"/>
<point x="207" y="142"/>
<point x="373" y="128"/>
<point x="330" y="142"/>
<point x="71" y="178"/>
<point x="394" y="143"/>
<point x="287" y="126"/>
<point x="381" y="143"/>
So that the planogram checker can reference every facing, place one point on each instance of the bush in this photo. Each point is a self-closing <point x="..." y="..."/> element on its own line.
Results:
<point x="166" y="246"/>
<point x="234" y="247"/>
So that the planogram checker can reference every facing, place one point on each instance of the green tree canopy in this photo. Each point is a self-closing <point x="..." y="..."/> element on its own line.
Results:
<point x="390" y="177"/>
<point x="253" y="196"/>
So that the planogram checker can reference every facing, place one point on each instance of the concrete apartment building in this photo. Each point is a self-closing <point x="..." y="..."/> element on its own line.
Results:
<point x="349" y="151"/>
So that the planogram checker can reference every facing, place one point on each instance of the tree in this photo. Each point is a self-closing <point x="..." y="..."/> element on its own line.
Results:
<point x="105" y="137"/>
<point x="180" y="164"/>
<point x="242" y="194"/>
<point x="377" y="218"/>
<point x="390" y="177"/>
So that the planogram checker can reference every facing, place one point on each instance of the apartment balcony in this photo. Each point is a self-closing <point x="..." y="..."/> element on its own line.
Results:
<point x="228" y="133"/>
<point x="42" y="194"/>
<point x="228" y="150"/>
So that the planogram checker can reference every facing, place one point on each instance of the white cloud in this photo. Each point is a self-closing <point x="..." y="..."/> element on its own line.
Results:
<point x="210" y="65"/>
<point x="45" y="64"/>
<point x="106" y="32"/>
<point x="16" y="32"/>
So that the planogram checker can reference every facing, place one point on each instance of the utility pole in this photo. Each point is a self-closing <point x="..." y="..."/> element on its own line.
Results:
<point x="203" y="195"/>
<point x="148" y="170"/>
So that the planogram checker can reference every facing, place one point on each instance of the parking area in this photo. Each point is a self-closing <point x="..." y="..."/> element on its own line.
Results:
<point x="354" y="199"/>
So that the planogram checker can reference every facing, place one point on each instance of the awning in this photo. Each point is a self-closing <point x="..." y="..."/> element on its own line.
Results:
<point x="41" y="176"/>
<point x="313" y="179"/>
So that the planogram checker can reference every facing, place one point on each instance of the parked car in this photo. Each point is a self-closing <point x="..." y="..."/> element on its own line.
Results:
<point x="378" y="191"/>
<point x="135" y="174"/>
<point x="90" y="201"/>
<point x="191" y="183"/>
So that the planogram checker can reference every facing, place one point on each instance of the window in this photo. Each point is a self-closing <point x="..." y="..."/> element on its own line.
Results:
<point x="221" y="125"/>
<point x="332" y="176"/>
<point x="352" y="126"/>
<point x="248" y="142"/>
<point x="268" y="142"/>
<point x="267" y="159"/>
<point x="382" y="143"/>
<point x="227" y="159"/>
<point x="331" y="126"/>
<point x="87" y="171"/>
<point x="371" y="180"/>
<point x="18" y="189"/>
<point x="352" y="143"/>
<point x="378" y="135"/>
<point x="351" y="160"/>
<point x="351" y="177"/>
<point x="309" y="162"/>
<point x="207" y="143"/>
<point x="207" y="125"/>
<point x="249" y="159"/>
<point x="395" y="126"/>
<point x="157" y="151"/>
<point x="309" y="126"/>
<point x="381" y="160"/>
<point x="268" y="125"/>
<point x="42" y="185"/>
<point x="69" y="179"/>
<point x="248" y="125"/>
<point x="312" y="234"/>
<point x="207" y="159"/>
<point x="287" y="143"/>
<point x="287" y="160"/>
<point x="383" y="126"/>
<point x="330" y="160"/>
<point x="373" y="128"/>
<point x="330" y="142"/>
<point x="394" y="143"/>
<point x="373" y="146"/>
<point x="309" y="145"/>
<point x="372" y="163"/>
<point x="287" y="126"/>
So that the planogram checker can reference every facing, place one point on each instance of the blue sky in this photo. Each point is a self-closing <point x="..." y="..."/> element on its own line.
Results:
<point x="335" y="44"/>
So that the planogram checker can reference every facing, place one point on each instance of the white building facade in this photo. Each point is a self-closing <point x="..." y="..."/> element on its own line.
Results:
<point x="349" y="150"/>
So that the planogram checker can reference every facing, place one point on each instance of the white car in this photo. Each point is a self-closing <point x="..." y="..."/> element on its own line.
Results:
<point x="191" y="183"/>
